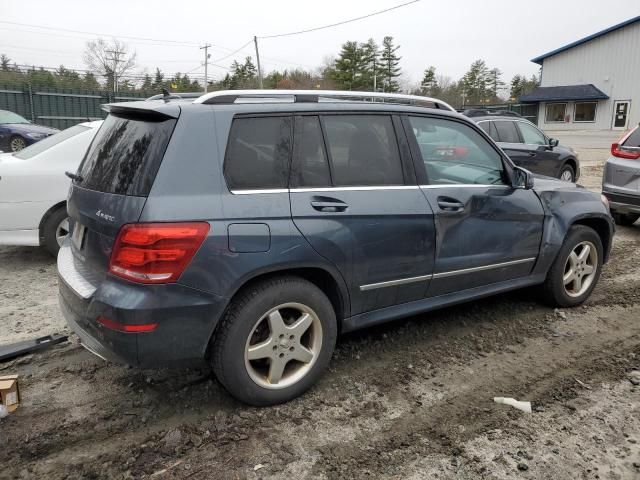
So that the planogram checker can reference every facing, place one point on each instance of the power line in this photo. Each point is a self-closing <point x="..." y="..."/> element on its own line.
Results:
<point x="234" y="52"/>
<point x="340" y="23"/>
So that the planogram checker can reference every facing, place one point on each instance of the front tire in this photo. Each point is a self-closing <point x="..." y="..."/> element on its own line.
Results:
<point x="275" y="341"/>
<point x="567" y="174"/>
<point x="17" y="143"/>
<point x="55" y="230"/>
<point x="576" y="270"/>
<point x="625" y="219"/>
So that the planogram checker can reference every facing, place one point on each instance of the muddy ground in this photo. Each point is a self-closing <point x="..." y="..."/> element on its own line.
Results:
<point x="412" y="399"/>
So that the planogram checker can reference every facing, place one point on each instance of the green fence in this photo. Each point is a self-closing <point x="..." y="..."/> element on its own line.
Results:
<point x="60" y="108"/>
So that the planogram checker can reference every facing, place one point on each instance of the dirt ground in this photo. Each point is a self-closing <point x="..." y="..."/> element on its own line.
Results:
<point x="409" y="400"/>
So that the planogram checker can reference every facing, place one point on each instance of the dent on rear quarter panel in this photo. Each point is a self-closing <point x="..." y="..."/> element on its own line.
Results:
<point x="563" y="208"/>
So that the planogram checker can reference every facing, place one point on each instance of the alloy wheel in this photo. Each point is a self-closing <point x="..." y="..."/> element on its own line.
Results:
<point x="283" y="345"/>
<point x="62" y="231"/>
<point x="566" y="176"/>
<point x="17" y="144"/>
<point x="580" y="269"/>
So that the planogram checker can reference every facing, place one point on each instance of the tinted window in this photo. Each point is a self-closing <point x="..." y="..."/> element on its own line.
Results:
<point x="585" y="112"/>
<point x="258" y="153"/>
<point x="531" y="135"/>
<point x="363" y="150"/>
<point x="125" y="154"/>
<point x="47" y="143"/>
<point x="311" y="168"/>
<point x="633" y="140"/>
<point x="507" y="132"/>
<point x="490" y="129"/>
<point x="454" y="153"/>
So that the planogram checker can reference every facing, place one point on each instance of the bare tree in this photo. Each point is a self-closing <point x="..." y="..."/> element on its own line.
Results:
<point x="111" y="60"/>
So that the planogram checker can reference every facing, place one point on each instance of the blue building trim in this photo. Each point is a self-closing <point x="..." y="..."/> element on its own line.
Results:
<point x="540" y="59"/>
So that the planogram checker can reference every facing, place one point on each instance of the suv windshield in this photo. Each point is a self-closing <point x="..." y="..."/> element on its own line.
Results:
<point x="10" y="117"/>
<point x="47" y="143"/>
<point x="125" y="154"/>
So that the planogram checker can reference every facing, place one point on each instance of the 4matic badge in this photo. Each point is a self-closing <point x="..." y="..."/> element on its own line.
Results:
<point x="101" y="214"/>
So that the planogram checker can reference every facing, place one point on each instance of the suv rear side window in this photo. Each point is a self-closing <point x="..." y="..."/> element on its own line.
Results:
<point x="363" y="150"/>
<point x="490" y="129"/>
<point x="310" y="166"/>
<point x="507" y="132"/>
<point x="454" y="153"/>
<point x="258" y="153"/>
<point x="125" y="154"/>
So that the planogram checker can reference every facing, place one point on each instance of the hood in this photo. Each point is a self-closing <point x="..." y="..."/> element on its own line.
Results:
<point x="542" y="183"/>
<point x="31" y="128"/>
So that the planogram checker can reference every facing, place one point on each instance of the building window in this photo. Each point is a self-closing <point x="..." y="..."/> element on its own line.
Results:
<point x="585" y="112"/>
<point x="555" y="112"/>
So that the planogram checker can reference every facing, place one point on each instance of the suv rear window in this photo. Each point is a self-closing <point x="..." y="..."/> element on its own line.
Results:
<point x="633" y="140"/>
<point x="258" y="153"/>
<point x="126" y="153"/>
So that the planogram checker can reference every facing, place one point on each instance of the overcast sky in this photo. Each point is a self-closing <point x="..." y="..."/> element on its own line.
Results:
<point x="447" y="34"/>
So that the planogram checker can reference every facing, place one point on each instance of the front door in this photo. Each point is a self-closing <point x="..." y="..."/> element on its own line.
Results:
<point x="354" y="198"/>
<point x="620" y="114"/>
<point x="486" y="231"/>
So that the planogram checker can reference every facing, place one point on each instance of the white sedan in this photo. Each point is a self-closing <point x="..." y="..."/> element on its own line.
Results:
<point x="34" y="187"/>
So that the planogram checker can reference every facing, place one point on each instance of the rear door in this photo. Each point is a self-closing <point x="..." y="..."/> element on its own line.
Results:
<point x="486" y="231"/>
<point x="355" y="199"/>
<point x="116" y="176"/>
<point x="511" y="143"/>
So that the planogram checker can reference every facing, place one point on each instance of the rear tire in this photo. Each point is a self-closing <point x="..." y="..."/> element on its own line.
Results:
<point x="625" y="219"/>
<point x="275" y="341"/>
<point x="567" y="174"/>
<point x="55" y="230"/>
<point x="572" y="278"/>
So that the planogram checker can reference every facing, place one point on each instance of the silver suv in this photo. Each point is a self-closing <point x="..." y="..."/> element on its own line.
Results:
<point x="621" y="179"/>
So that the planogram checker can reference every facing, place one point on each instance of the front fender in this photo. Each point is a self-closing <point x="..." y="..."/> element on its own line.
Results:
<point x="565" y="208"/>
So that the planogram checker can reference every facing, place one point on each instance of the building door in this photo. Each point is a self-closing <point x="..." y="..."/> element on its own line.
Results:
<point x="620" y="114"/>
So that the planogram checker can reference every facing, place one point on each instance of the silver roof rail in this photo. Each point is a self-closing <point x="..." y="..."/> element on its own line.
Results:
<point x="315" y="96"/>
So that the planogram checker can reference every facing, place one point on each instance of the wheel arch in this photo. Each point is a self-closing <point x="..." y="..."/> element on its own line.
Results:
<point x="46" y="216"/>
<point x="602" y="227"/>
<point x="571" y="162"/>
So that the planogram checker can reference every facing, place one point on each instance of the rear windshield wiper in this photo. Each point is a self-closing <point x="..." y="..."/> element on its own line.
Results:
<point x="75" y="177"/>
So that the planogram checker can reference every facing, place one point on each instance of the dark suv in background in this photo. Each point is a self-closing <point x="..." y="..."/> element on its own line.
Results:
<point x="528" y="147"/>
<point x="250" y="228"/>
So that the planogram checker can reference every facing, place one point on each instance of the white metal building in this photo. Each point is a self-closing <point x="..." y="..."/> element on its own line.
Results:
<point x="593" y="83"/>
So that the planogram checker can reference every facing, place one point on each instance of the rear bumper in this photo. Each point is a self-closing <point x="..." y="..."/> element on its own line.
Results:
<point x="186" y="319"/>
<point x="623" y="202"/>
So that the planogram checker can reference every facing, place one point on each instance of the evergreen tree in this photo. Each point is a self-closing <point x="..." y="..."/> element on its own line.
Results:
<point x="147" y="83"/>
<point x="429" y="85"/>
<point x="350" y="67"/>
<point x="90" y="82"/>
<point x="476" y="82"/>
<point x="158" y="81"/>
<point x="371" y="64"/>
<point x="495" y="82"/>
<point x="390" y="63"/>
<point x="5" y="63"/>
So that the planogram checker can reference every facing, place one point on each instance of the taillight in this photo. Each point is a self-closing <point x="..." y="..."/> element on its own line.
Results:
<point x="622" y="152"/>
<point x="156" y="252"/>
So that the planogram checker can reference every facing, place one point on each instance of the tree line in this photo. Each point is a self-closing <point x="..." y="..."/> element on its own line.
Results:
<point x="364" y="66"/>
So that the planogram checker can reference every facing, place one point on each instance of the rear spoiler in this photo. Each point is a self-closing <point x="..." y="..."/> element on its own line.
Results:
<point x="151" y="110"/>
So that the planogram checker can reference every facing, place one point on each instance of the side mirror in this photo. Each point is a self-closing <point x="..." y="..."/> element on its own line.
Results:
<point x="522" y="178"/>
<point x="553" y="142"/>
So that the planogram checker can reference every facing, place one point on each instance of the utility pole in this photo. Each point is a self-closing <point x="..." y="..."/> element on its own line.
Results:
<point x="115" y="59"/>
<point x="255" y="41"/>
<point x="375" y="76"/>
<point x="206" y="64"/>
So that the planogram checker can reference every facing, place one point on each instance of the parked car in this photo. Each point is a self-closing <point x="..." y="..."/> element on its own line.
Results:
<point x="17" y="132"/>
<point x="621" y="179"/>
<point x="528" y="147"/>
<point x="249" y="228"/>
<point x="34" y="188"/>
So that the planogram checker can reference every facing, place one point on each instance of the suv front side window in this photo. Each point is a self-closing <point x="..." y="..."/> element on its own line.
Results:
<point x="453" y="153"/>
<point x="531" y="135"/>
<point x="258" y="153"/>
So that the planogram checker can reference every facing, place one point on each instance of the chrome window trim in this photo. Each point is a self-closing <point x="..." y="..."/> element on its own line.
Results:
<point x="403" y="281"/>
<point x="362" y="189"/>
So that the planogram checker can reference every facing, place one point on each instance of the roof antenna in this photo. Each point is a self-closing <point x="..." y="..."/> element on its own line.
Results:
<point x="166" y="95"/>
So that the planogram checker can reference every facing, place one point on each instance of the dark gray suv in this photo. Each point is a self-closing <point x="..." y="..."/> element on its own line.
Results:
<point x="250" y="228"/>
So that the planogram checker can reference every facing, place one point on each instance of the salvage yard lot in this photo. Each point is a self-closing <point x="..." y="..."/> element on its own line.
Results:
<point x="412" y="399"/>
